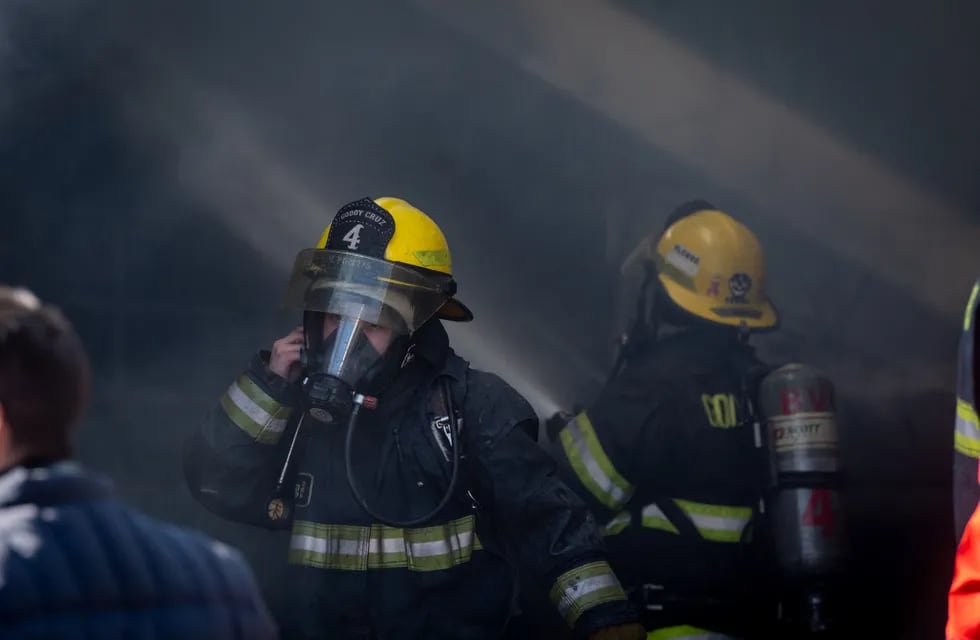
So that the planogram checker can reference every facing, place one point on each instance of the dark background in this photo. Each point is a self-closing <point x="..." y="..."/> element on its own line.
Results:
<point x="161" y="163"/>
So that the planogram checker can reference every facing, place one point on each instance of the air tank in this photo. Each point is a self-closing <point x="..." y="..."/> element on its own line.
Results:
<point x="806" y="518"/>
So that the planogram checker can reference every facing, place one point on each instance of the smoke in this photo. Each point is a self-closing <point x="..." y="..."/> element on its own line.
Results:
<point x="42" y="44"/>
<point x="800" y="183"/>
<point x="739" y="137"/>
<point x="261" y="198"/>
<point x="271" y="137"/>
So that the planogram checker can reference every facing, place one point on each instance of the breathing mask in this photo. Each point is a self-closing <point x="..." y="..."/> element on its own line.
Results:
<point x="358" y="312"/>
<point x="342" y="352"/>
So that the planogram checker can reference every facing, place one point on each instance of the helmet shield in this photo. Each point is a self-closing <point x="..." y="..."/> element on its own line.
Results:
<point x="365" y="289"/>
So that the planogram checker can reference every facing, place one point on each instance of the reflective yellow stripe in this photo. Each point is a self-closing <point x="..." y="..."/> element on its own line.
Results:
<point x="718" y="523"/>
<point x="253" y="411"/>
<point x="617" y="524"/>
<point x="355" y="548"/>
<point x="592" y="465"/>
<point x="685" y="632"/>
<point x="967" y="438"/>
<point x="582" y="588"/>
<point x="968" y="315"/>
<point x="654" y="518"/>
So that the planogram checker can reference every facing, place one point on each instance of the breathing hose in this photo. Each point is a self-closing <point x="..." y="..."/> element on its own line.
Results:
<point x="453" y="479"/>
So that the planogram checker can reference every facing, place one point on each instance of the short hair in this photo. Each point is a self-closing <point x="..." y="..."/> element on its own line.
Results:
<point x="45" y="376"/>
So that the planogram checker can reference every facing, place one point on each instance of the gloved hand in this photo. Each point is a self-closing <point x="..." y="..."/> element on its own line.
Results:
<point x="631" y="631"/>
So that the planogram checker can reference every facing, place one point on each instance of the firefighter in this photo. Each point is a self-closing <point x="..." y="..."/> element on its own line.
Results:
<point x="409" y="480"/>
<point x="964" y="594"/>
<point x="665" y="456"/>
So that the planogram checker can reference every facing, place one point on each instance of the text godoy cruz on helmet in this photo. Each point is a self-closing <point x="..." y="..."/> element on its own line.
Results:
<point x="363" y="227"/>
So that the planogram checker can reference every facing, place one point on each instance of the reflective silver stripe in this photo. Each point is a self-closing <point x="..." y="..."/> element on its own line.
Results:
<point x="442" y="547"/>
<point x="718" y="523"/>
<point x="654" y="518"/>
<point x="967" y="438"/>
<point x="709" y="525"/>
<point x="386" y="545"/>
<point x="590" y="585"/>
<point x="617" y="524"/>
<point x="358" y="548"/>
<point x="254" y="411"/>
<point x="374" y="545"/>
<point x="337" y="546"/>
<point x="582" y="589"/>
<point x="591" y="464"/>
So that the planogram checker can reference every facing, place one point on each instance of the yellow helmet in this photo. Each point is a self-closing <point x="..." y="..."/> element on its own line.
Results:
<point x="713" y="267"/>
<point x="393" y="230"/>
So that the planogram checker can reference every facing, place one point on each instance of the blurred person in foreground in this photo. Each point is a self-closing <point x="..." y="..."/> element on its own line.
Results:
<point x="410" y="481"/>
<point x="75" y="562"/>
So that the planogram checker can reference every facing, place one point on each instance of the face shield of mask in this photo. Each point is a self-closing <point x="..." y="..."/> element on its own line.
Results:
<point x="365" y="304"/>
<point x="351" y="342"/>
